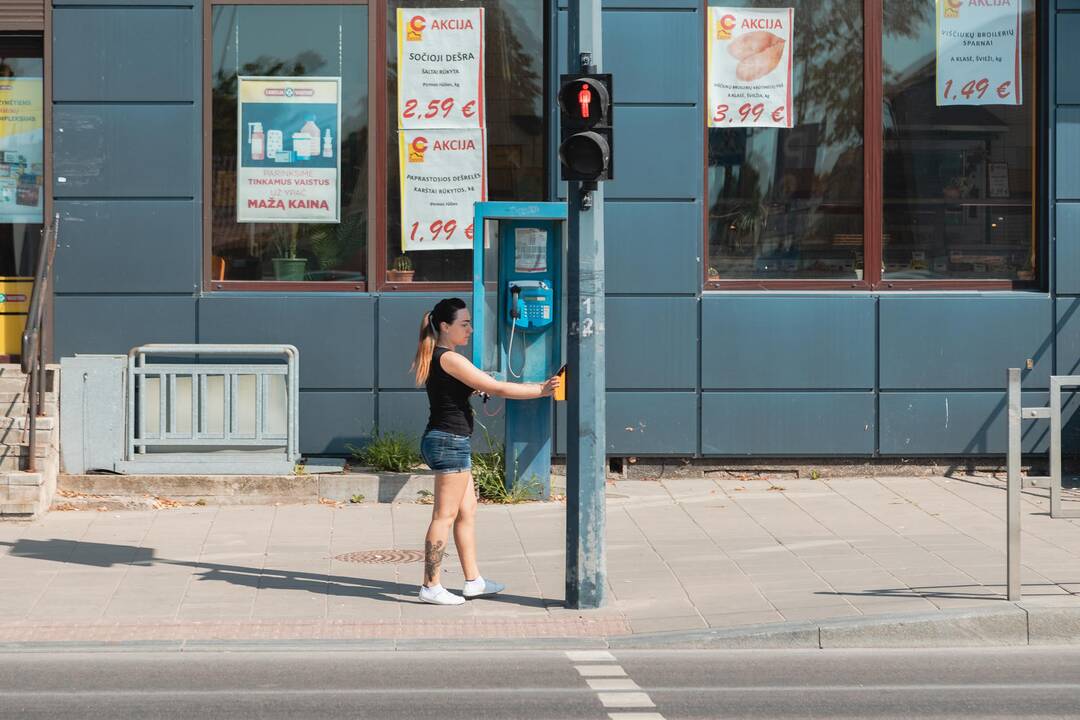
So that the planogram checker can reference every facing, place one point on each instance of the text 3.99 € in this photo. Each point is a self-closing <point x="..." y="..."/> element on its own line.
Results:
<point x="747" y="112"/>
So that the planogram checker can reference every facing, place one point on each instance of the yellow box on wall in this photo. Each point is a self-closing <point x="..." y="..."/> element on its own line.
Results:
<point x="14" y="304"/>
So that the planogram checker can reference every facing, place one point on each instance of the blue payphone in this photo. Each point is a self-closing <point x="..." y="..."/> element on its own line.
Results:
<point x="517" y="314"/>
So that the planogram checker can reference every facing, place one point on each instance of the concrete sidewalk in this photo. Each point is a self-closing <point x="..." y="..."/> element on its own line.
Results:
<point x="692" y="557"/>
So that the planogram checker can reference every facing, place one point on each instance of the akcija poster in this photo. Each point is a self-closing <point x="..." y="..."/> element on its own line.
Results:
<point x="440" y="78"/>
<point x="749" y="67"/>
<point x="443" y="172"/>
<point x="978" y="52"/>
<point x="288" y="141"/>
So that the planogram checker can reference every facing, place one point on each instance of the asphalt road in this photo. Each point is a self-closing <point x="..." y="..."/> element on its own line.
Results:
<point x="531" y="685"/>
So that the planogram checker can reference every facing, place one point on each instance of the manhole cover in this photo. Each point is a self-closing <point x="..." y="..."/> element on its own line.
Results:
<point x="382" y="556"/>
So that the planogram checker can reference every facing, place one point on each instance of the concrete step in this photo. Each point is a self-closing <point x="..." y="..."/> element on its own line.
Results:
<point x="15" y="408"/>
<point x="14" y="437"/>
<point x="44" y="422"/>
<point x="23" y="495"/>
<point x="23" y="395"/>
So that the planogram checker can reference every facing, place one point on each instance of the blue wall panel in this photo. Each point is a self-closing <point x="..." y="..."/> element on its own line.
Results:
<point x="1068" y="138"/>
<point x="1067" y="247"/>
<point x="1068" y="59"/>
<point x="99" y="241"/>
<point x="957" y="423"/>
<point x="638" y="423"/>
<point x="333" y="332"/>
<point x="787" y="342"/>
<point x="955" y="342"/>
<point x="114" y="325"/>
<point x="651" y="343"/>
<point x="657" y="171"/>
<point x="649" y="54"/>
<point x="123" y="54"/>
<point x="330" y="421"/>
<point x="652" y="247"/>
<point x="1068" y="336"/>
<point x="125" y="151"/>
<point x="787" y="423"/>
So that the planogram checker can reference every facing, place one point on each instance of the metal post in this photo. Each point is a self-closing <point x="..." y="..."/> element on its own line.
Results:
<point x="1012" y="502"/>
<point x="586" y="566"/>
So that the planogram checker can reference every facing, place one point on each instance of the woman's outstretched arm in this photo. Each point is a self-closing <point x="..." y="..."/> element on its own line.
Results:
<point x="460" y="368"/>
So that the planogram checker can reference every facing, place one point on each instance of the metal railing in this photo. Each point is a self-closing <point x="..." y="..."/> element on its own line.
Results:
<point x="224" y="405"/>
<point x="1016" y="481"/>
<point x="35" y="332"/>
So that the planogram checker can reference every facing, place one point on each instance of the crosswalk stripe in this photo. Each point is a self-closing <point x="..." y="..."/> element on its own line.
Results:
<point x="635" y="716"/>
<point x="600" y="670"/>
<point x="626" y="699"/>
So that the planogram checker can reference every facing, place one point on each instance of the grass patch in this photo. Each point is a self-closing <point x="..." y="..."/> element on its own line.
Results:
<point x="489" y="475"/>
<point x="388" y="452"/>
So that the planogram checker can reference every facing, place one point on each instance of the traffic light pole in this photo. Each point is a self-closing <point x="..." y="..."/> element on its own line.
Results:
<point x="586" y="563"/>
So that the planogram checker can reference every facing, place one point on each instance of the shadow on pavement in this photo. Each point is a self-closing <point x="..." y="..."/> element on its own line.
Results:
<point x="104" y="555"/>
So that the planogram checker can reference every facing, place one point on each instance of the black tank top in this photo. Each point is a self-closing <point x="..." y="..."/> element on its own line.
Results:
<point x="448" y="399"/>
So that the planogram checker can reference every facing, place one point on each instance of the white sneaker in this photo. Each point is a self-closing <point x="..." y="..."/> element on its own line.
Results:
<point x="439" y="595"/>
<point x="481" y="588"/>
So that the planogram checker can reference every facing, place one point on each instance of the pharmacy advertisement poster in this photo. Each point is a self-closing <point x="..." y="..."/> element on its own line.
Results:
<point x="749" y="67"/>
<point x="443" y="172"/>
<point x="288" y="162"/>
<point x="22" y="150"/>
<point x="978" y="52"/>
<point x="440" y="68"/>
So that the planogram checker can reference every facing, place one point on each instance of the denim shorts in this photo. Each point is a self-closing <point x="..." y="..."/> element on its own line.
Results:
<point x="445" y="452"/>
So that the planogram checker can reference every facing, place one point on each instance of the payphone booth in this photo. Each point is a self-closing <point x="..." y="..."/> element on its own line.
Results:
<point x="518" y="328"/>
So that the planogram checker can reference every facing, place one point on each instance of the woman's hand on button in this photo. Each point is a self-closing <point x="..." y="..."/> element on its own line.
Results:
<point x="549" y="387"/>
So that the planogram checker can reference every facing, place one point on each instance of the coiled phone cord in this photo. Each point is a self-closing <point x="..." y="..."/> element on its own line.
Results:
<point x="510" y="353"/>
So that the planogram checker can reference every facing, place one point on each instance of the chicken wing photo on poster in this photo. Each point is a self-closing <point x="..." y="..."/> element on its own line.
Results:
<point x="749" y="67"/>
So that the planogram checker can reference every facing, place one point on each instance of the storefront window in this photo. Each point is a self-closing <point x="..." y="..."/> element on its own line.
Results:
<point x="787" y="203"/>
<point x="21" y="154"/>
<point x="514" y="118"/>
<point x="958" y="178"/>
<point x="943" y="189"/>
<point x="289" y="158"/>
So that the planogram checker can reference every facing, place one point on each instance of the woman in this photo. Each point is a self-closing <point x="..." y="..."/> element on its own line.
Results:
<point x="446" y="446"/>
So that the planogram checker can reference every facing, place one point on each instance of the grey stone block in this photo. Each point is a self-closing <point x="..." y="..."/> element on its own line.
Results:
<point x="772" y="636"/>
<point x="1053" y="625"/>
<point x="1005" y="625"/>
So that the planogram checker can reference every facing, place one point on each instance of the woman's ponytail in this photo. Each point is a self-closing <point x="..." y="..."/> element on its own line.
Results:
<point x="425" y="348"/>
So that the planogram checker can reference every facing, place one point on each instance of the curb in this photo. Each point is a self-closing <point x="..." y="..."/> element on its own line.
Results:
<point x="139" y="491"/>
<point x="1015" y="624"/>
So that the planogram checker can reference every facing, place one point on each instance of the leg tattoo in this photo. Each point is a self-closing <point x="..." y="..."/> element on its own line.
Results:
<point x="433" y="557"/>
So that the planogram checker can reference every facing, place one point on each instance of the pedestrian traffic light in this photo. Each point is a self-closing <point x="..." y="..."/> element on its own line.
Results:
<point x="586" y="147"/>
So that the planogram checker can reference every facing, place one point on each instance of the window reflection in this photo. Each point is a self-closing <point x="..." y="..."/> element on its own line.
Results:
<point x="788" y="203"/>
<point x="958" y="179"/>
<point x="290" y="41"/>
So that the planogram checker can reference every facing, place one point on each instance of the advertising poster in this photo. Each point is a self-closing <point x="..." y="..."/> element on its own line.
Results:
<point x="22" y="154"/>
<point x="288" y="164"/>
<point x="978" y="52"/>
<point x="440" y="68"/>
<point x="749" y="67"/>
<point x="443" y="172"/>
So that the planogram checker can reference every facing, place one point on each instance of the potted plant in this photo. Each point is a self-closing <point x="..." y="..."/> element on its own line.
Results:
<point x="287" y="266"/>
<point x="401" y="270"/>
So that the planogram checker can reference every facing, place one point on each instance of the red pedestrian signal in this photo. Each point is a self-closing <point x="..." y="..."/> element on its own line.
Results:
<point x="586" y="133"/>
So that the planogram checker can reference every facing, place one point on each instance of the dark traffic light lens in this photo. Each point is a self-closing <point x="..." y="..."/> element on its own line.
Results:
<point x="585" y="154"/>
